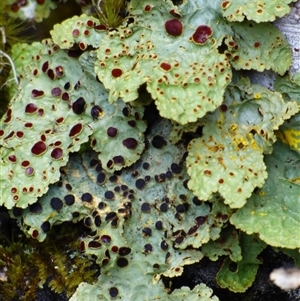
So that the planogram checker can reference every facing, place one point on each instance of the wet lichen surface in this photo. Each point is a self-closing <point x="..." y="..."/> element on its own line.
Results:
<point x="143" y="131"/>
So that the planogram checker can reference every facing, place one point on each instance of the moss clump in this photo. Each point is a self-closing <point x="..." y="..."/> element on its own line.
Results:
<point x="26" y="265"/>
<point x="111" y="13"/>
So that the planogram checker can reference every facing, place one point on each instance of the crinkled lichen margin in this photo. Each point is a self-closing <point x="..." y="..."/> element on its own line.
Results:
<point x="58" y="106"/>
<point x="183" y="47"/>
<point x="228" y="158"/>
<point x="143" y="222"/>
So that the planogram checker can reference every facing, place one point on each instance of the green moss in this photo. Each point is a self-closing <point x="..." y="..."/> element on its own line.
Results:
<point x="111" y="13"/>
<point x="28" y="265"/>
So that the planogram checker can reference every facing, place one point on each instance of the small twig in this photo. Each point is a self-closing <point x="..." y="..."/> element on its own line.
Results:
<point x="12" y="65"/>
<point x="3" y="35"/>
<point x="2" y="53"/>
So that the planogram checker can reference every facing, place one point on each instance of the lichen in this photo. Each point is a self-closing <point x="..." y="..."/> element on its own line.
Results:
<point x="228" y="158"/>
<point x="289" y="132"/>
<point x="239" y="276"/>
<point x="83" y="31"/>
<point x="36" y="10"/>
<point x="263" y="46"/>
<point x="144" y="219"/>
<point x="58" y="107"/>
<point x="273" y="206"/>
<point x="82" y="142"/>
<point x="189" y="72"/>
<point x="258" y="11"/>
<point x="227" y="244"/>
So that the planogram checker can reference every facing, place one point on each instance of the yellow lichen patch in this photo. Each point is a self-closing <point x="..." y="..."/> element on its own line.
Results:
<point x="295" y="180"/>
<point x="252" y="141"/>
<point x="240" y="142"/>
<point x="233" y="127"/>
<point x="258" y="213"/>
<point x="290" y="137"/>
<point x="262" y="214"/>
<point x="216" y="148"/>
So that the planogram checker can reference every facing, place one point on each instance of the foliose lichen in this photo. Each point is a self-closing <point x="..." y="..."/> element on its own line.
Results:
<point x="182" y="46"/>
<point x="74" y="145"/>
<point x="141" y="221"/>
<point x="228" y="158"/>
<point x="258" y="11"/>
<point x="36" y="10"/>
<point x="58" y="107"/>
<point x="280" y="194"/>
<point x="239" y="276"/>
